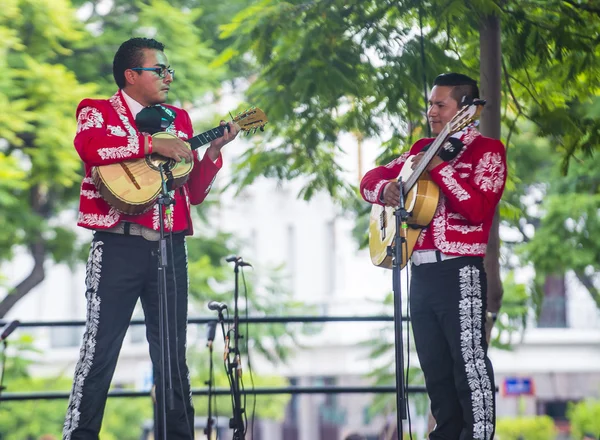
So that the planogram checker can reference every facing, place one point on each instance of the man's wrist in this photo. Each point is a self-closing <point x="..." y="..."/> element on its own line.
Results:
<point x="213" y="152"/>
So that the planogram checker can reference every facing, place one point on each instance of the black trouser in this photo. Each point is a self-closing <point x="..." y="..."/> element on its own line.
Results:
<point x="120" y="270"/>
<point x="448" y="306"/>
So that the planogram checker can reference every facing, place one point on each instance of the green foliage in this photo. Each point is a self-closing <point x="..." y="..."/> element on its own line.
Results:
<point x="529" y="428"/>
<point x="584" y="417"/>
<point x="53" y="54"/>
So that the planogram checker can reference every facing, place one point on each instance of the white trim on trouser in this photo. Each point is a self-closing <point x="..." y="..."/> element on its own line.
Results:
<point x="471" y="318"/>
<point x="88" y="346"/>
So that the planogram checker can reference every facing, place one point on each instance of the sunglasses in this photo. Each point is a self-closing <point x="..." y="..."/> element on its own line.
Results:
<point x="160" y="71"/>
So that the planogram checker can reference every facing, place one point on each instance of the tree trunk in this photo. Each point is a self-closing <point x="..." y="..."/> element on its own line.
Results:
<point x="40" y="204"/>
<point x="35" y="277"/>
<point x="490" y="72"/>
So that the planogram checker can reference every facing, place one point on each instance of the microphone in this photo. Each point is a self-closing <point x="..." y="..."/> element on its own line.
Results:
<point x="238" y="260"/>
<point x="214" y="305"/>
<point x="8" y="329"/>
<point x="212" y="329"/>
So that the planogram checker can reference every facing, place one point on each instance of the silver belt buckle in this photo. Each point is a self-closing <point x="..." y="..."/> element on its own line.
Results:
<point x="149" y="234"/>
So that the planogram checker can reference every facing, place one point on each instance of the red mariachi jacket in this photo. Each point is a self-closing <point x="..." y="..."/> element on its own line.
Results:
<point x="471" y="186"/>
<point x="106" y="133"/>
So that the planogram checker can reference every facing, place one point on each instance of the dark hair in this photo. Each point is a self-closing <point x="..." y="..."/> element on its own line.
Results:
<point x="462" y="86"/>
<point x="131" y="54"/>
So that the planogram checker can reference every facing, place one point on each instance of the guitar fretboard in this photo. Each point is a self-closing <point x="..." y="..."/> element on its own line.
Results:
<point x="432" y="151"/>
<point x="206" y="137"/>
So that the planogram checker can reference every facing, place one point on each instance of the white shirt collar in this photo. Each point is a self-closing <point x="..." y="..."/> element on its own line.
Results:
<point x="134" y="106"/>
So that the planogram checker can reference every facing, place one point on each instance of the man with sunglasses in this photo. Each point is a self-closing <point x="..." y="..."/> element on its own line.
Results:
<point x="123" y="262"/>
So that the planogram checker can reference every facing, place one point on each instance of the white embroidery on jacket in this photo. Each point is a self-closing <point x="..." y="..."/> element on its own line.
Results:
<point x="371" y="196"/>
<point x="88" y="346"/>
<point x="471" y="336"/>
<point x="89" y="117"/>
<point x="180" y="134"/>
<point x="440" y="226"/>
<point x="115" y="130"/>
<point x="90" y="194"/>
<point x="133" y="145"/>
<point x="465" y="229"/>
<point x="399" y="160"/>
<point x="101" y="220"/>
<point x="490" y="172"/>
<point x="452" y="184"/>
<point x="167" y="218"/>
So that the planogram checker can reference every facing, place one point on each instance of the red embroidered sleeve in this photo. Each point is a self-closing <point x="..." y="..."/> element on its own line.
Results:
<point x="204" y="172"/>
<point x="475" y="197"/>
<point x="373" y="183"/>
<point x="100" y="143"/>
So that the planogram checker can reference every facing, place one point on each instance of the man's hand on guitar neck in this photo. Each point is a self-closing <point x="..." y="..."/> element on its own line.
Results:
<point x="434" y="162"/>
<point x="173" y="148"/>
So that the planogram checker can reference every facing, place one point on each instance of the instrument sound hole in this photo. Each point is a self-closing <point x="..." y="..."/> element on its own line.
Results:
<point x="158" y="162"/>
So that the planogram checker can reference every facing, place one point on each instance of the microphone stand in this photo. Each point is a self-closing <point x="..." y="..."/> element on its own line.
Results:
<point x="395" y="250"/>
<point x="211" y="337"/>
<point x="166" y="401"/>
<point x="235" y="368"/>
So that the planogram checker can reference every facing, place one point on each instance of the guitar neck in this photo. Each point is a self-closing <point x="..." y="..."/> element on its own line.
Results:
<point x="429" y="154"/>
<point x="206" y="137"/>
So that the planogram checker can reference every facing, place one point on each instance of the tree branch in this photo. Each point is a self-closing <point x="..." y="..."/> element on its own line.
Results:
<point x="589" y="285"/>
<point x="583" y="7"/>
<point x="35" y="277"/>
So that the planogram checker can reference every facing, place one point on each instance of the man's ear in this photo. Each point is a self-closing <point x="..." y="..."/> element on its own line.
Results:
<point x="130" y="76"/>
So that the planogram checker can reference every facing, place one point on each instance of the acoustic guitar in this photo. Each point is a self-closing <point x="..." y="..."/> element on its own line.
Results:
<point x="132" y="186"/>
<point x="421" y="196"/>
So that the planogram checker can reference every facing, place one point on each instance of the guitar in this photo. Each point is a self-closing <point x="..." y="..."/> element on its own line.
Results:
<point x="132" y="186"/>
<point x="421" y="196"/>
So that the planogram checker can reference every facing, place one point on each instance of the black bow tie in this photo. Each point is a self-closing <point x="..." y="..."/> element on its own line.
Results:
<point x="154" y="119"/>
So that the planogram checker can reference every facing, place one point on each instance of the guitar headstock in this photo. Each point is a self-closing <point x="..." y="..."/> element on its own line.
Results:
<point x="465" y="116"/>
<point x="251" y="119"/>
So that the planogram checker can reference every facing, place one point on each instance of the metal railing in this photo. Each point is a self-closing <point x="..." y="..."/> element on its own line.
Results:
<point x="52" y="395"/>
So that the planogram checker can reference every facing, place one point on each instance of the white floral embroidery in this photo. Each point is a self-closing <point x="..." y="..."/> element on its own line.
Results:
<point x="399" y="160"/>
<point x="180" y="134"/>
<point x="490" y="172"/>
<point x="89" y="194"/>
<point x="168" y="217"/>
<point x="465" y="229"/>
<point x="101" y="220"/>
<point x="421" y="238"/>
<point x="133" y="145"/>
<point x="471" y="318"/>
<point x="115" y="130"/>
<point x="457" y="191"/>
<point x="440" y="226"/>
<point x="88" y="346"/>
<point x="371" y="196"/>
<point x="89" y="117"/>
<point x="89" y="180"/>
